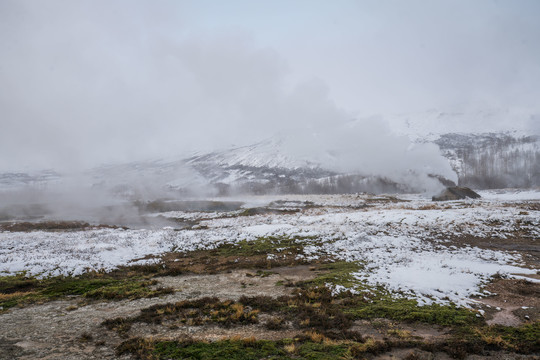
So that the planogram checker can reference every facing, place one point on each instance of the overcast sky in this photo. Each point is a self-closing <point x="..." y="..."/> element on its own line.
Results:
<point x="90" y="82"/>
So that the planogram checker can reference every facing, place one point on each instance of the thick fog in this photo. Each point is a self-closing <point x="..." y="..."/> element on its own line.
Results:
<point x="84" y="83"/>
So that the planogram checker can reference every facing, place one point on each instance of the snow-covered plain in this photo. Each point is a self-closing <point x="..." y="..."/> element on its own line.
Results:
<point x="405" y="244"/>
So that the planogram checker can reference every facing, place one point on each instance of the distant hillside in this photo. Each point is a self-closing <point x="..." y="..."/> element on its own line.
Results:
<point x="493" y="160"/>
<point x="507" y="157"/>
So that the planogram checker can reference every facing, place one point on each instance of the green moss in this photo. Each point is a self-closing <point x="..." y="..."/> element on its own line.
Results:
<point x="529" y="333"/>
<point x="127" y="290"/>
<point x="409" y="311"/>
<point x="377" y="302"/>
<point x="56" y="287"/>
<point x="315" y="351"/>
<point x="524" y="339"/>
<point x="227" y="349"/>
<point x="246" y="349"/>
<point x="337" y="273"/>
<point x="20" y="289"/>
<point x="265" y="245"/>
<point x="16" y="283"/>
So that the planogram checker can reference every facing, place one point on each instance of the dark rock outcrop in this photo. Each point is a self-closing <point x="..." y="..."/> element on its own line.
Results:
<point x="455" y="193"/>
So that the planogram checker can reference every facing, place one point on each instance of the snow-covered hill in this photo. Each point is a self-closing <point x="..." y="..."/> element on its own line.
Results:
<point x="508" y="156"/>
<point x="430" y="125"/>
<point x="37" y="179"/>
<point x="487" y="149"/>
<point x="493" y="160"/>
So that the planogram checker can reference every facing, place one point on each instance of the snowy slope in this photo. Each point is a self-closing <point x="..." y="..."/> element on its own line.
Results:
<point x="264" y="164"/>
<point x="493" y="160"/>
<point x="37" y="179"/>
<point x="265" y="154"/>
<point x="487" y="149"/>
<point x="430" y="125"/>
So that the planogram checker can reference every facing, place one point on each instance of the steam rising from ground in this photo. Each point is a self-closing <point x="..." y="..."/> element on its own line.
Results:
<point x="368" y="146"/>
<point x="88" y="82"/>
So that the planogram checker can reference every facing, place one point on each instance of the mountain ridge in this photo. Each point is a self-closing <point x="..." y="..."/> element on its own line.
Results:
<point x="481" y="160"/>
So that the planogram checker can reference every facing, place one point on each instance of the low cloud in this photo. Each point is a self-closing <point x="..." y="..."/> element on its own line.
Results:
<point x="87" y="83"/>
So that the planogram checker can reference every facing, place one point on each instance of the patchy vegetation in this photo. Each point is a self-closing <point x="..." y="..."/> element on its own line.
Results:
<point x="266" y="245"/>
<point x="20" y="290"/>
<point x="408" y="311"/>
<point x="262" y="253"/>
<point x="524" y="339"/>
<point x="192" y="313"/>
<point x="324" y="321"/>
<point x="324" y="324"/>
<point x="375" y="302"/>
<point x="195" y="205"/>
<point x="51" y="226"/>
<point x="131" y="282"/>
<point x="234" y="349"/>
<point x="339" y="273"/>
<point x="314" y="345"/>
